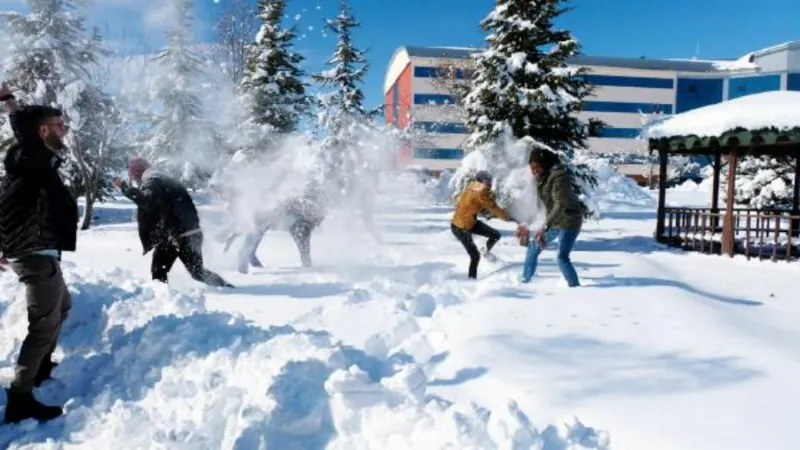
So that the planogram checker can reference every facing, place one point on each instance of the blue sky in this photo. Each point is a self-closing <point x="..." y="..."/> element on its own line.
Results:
<point x="634" y="28"/>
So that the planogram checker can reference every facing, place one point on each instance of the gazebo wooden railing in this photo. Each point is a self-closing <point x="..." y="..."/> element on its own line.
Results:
<point x="730" y="230"/>
<point x="763" y="234"/>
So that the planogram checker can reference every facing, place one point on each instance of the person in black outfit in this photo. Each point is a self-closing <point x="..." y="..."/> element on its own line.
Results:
<point x="168" y="223"/>
<point x="38" y="221"/>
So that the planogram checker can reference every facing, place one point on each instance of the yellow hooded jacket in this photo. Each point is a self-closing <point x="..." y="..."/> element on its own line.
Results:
<point x="473" y="200"/>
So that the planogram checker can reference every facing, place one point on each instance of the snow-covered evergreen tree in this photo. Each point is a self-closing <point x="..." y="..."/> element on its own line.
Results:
<point x="181" y="138"/>
<point x="50" y="55"/>
<point x="272" y="82"/>
<point x="100" y="147"/>
<point x="765" y="182"/>
<point x="341" y="112"/>
<point x="523" y="86"/>
<point x="50" y="48"/>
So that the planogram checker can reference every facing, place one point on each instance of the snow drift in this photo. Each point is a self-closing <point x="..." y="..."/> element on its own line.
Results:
<point x="612" y="186"/>
<point x="147" y="367"/>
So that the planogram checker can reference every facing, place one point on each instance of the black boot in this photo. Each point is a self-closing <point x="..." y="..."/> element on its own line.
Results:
<point x="23" y="405"/>
<point x="45" y="370"/>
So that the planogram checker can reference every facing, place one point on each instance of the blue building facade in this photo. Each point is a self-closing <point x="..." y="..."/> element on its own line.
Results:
<point x="627" y="92"/>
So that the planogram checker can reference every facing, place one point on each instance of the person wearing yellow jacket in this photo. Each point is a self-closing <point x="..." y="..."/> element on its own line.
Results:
<point x="475" y="199"/>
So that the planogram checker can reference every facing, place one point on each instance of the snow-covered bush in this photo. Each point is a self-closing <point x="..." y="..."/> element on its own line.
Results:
<point x="765" y="182"/>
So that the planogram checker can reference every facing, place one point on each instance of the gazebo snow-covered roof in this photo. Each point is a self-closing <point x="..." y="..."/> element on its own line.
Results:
<point x="768" y="118"/>
<point x="758" y="124"/>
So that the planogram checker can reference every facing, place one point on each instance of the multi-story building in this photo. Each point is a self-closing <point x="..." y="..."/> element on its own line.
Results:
<point x="627" y="92"/>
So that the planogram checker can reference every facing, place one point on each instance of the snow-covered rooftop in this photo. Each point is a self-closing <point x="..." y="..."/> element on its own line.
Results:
<point x="778" y="109"/>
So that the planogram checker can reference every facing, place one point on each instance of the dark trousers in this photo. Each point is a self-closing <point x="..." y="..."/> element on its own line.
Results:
<point x="189" y="249"/>
<point x="465" y="237"/>
<point x="49" y="303"/>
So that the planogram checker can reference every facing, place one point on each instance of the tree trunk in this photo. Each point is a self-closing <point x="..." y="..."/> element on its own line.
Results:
<point x="88" y="211"/>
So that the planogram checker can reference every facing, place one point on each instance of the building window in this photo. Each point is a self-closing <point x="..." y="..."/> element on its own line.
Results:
<point x="625" y="107"/>
<point x="743" y="86"/>
<point x="634" y="82"/>
<point x="793" y="82"/>
<point x="693" y="93"/>
<point x="442" y="127"/>
<point x="619" y="133"/>
<point x="434" y="99"/>
<point x="438" y="153"/>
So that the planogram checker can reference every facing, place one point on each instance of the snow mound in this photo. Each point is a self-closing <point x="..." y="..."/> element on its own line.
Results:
<point x="612" y="186"/>
<point x="147" y="367"/>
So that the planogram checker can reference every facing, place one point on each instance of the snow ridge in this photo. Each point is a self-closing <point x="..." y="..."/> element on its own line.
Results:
<point x="144" y="366"/>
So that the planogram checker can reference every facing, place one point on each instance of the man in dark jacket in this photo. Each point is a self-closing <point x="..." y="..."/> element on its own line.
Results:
<point x="168" y="223"/>
<point x="564" y="215"/>
<point x="38" y="221"/>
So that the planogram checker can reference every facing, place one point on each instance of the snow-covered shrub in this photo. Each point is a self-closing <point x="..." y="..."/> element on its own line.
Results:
<point x="764" y="182"/>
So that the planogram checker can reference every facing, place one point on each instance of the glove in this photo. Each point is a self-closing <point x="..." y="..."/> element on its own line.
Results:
<point x="523" y="234"/>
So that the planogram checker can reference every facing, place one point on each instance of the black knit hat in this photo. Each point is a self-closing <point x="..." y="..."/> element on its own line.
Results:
<point x="483" y="176"/>
<point x="38" y="113"/>
<point x="544" y="158"/>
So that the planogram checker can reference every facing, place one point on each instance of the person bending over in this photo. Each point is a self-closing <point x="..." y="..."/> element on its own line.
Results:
<point x="168" y="223"/>
<point x="464" y="224"/>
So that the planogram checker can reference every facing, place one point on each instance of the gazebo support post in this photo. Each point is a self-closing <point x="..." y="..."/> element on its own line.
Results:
<point x="715" y="191"/>
<point x="728" y="224"/>
<point x="662" y="194"/>
<point x="795" y="223"/>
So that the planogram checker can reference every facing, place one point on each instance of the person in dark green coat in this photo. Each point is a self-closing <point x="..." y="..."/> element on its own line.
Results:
<point x="564" y="216"/>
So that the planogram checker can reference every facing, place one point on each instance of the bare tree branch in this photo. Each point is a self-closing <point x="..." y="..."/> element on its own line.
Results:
<point x="235" y="30"/>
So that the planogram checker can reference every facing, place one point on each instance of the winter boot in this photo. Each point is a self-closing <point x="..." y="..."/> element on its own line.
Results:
<point x="23" y="405"/>
<point x="255" y="262"/>
<point x="45" y="370"/>
<point x="486" y="253"/>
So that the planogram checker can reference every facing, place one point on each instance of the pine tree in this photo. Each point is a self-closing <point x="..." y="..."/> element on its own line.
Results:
<point x="51" y="53"/>
<point x="272" y="81"/>
<point x="341" y="111"/>
<point x="181" y="138"/>
<point x="49" y="48"/>
<point x="101" y="147"/>
<point x="765" y="182"/>
<point x="349" y="66"/>
<point x="522" y="86"/>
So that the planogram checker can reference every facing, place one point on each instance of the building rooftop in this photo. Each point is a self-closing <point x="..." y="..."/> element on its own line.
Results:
<point x="746" y="63"/>
<point x="584" y="60"/>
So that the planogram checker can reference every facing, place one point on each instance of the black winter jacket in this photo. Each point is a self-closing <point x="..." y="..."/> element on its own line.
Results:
<point x="165" y="210"/>
<point x="37" y="211"/>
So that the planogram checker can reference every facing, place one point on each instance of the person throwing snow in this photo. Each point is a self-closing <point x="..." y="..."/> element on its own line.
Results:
<point x="475" y="199"/>
<point x="564" y="216"/>
<point x="168" y="223"/>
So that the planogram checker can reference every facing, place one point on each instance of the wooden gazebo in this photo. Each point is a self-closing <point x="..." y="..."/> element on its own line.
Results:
<point x="761" y="124"/>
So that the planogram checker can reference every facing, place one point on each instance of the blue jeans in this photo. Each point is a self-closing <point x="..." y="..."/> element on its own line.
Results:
<point x="566" y="240"/>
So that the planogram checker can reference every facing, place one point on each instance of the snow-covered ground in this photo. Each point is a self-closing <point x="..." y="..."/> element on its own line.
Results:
<point x="388" y="346"/>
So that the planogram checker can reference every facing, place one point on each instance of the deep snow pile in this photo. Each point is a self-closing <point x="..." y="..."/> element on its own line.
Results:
<point x="612" y="186"/>
<point x="147" y="367"/>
